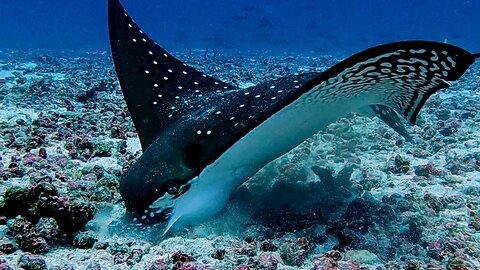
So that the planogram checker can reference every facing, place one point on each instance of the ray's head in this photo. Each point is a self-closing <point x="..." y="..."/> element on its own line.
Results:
<point x="167" y="185"/>
<point x="162" y="172"/>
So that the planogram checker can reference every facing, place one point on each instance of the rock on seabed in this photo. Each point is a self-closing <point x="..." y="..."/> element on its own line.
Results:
<point x="355" y="196"/>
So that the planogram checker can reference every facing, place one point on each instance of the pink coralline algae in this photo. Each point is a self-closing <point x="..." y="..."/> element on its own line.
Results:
<point x="15" y="170"/>
<point x="41" y="213"/>
<point x="42" y="152"/>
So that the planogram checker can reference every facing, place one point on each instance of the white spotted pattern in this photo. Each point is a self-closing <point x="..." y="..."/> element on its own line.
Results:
<point x="399" y="70"/>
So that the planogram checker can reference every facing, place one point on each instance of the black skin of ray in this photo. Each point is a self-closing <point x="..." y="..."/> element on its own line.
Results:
<point x="173" y="151"/>
<point x="169" y="163"/>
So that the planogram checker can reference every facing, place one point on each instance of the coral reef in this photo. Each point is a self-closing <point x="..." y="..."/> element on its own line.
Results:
<point x="355" y="196"/>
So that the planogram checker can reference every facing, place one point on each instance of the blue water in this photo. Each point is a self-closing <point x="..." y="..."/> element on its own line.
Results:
<point x="319" y="26"/>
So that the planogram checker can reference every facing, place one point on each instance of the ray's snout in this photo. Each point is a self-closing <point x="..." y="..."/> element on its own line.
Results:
<point x="157" y="173"/>
<point x="139" y="188"/>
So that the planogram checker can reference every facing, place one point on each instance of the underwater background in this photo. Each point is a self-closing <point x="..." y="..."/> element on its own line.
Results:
<point x="321" y="26"/>
<point x="357" y="195"/>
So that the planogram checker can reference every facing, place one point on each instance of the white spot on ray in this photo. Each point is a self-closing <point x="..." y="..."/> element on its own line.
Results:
<point x="180" y="87"/>
<point x="199" y="132"/>
<point x="196" y="83"/>
<point x="242" y="105"/>
<point x="272" y="87"/>
<point x="130" y="25"/>
<point x="231" y="118"/>
<point x="216" y="82"/>
<point x="155" y="62"/>
<point x="209" y="132"/>
<point x="273" y="98"/>
<point x="170" y="71"/>
<point x="218" y="112"/>
<point x="147" y="72"/>
<point x="445" y="65"/>
<point x="451" y="61"/>
<point x="154" y="103"/>
<point x="160" y="95"/>
<point x="184" y="72"/>
<point x="417" y="51"/>
<point x="257" y="96"/>
<point x="134" y="40"/>
<point x="165" y="55"/>
<point x="247" y="93"/>
<point x="144" y="40"/>
<point x="150" y="52"/>
<point x="165" y="78"/>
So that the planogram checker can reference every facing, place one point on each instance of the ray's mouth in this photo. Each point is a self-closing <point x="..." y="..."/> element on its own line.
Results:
<point x="152" y="216"/>
<point x="161" y="209"/>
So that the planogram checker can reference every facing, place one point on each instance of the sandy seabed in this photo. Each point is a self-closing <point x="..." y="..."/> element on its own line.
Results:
<point x="355" y="196"/>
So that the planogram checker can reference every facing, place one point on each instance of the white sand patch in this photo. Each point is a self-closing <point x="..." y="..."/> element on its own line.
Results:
<point x="10" y="114"/>
<point x="30" y="66"/>
<point x="133" y="145"/>
<point x="246" y="84"/>
<point x="4" y="74"/>
<point x="108" y="163"/>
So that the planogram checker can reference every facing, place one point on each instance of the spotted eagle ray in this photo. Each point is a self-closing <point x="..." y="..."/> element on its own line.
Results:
<point x="201" y="137"/>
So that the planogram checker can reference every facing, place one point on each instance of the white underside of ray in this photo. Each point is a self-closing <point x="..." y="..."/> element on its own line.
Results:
<point x="271" y="139"/>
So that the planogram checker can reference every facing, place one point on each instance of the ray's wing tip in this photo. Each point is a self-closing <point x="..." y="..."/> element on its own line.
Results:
<point x="467" y="59"/>
<point x="113" y="2"/>
<point x="112" y="5"/>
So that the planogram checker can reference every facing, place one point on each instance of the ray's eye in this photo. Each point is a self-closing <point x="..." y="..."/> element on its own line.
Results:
<point x="172" y="190"/>
<point x="172" y="187"/>
<point x="192" y="155"/>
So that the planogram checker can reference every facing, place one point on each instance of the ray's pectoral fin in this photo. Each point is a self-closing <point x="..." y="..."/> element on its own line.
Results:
<point x="192" y="145"/>
<point x="389" y="116"/>
<point x="156" y="85"/>
<point x="401" y="75"/>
